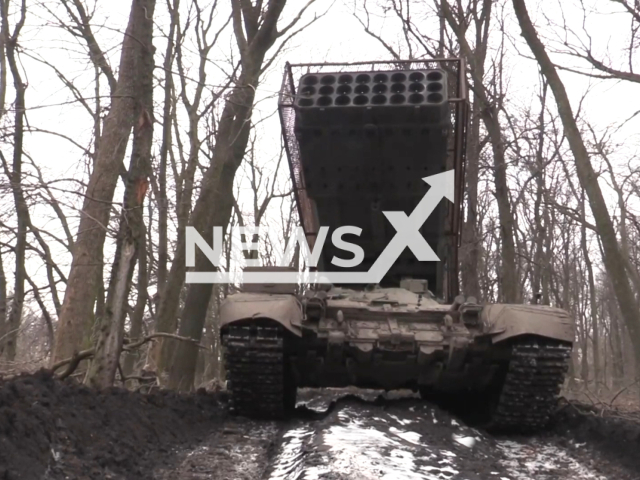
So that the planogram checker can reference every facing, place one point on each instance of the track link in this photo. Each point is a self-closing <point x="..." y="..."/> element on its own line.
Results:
<point x="256" y="373"/>
<point x="530" y="390"/>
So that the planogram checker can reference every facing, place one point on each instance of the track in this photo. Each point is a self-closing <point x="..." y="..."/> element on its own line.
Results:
<point x="533" y="381"/>
<point x="256" y="372"/>
<point x="260" y="387"/>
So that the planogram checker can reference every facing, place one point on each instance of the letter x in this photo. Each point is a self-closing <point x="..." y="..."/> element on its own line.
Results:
<point x="408" y="234"/>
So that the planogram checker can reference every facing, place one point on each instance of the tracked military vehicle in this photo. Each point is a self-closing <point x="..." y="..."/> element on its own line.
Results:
<point x="360" y="139"/>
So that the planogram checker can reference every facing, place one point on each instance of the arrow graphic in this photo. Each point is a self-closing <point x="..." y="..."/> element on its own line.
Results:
<point x="408" y="227"/>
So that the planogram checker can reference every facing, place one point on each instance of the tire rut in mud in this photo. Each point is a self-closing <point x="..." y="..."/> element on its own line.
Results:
<point x="239" y="449"/>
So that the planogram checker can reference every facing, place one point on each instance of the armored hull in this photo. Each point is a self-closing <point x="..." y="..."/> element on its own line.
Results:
<point x="512" y="356"/>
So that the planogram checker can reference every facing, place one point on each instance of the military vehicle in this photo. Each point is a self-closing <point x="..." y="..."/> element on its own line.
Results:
<point x="360" y="138"/>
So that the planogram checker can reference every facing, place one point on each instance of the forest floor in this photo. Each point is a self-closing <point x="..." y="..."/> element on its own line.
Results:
<point x="60" y="430"/>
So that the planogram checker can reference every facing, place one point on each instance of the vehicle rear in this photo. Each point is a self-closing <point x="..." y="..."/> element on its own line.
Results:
<point x="365" y="142"/>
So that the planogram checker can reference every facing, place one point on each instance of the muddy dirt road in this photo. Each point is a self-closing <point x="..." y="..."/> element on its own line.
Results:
<point x="55" y="430"/>
<point x="338" y="437"/>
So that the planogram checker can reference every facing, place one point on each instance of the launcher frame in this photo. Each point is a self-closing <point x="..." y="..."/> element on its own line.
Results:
<point x="456" y="150"/>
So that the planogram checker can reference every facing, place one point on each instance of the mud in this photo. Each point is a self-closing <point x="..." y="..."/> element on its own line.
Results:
<point x="241" y="450"/>
<point x="612" y="436"/>
<point x="406" y="438"/>
<point x="363" y="435"/>
<point x="54" y="430"/>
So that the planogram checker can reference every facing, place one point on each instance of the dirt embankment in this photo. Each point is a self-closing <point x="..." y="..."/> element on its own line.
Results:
<point x="52" y="429"/>
<point x="614" y="435"/>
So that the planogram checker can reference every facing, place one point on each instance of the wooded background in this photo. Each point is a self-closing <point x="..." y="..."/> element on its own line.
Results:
<point x="122" y="125"/>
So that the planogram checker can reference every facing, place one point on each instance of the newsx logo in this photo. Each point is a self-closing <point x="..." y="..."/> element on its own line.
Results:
<point x="407" y="236"/>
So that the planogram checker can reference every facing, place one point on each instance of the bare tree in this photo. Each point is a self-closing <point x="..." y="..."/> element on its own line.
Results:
<point x="614" y="260"/>
<point x="76" y="316"/>
<point x="8" y="344"/>
<point x="468" y="34"/>
<point x="256" y="31"/>
<point x="263" y="191"/>
<point x="131" y="235"/>
<point x="196" y="107"/>
<point x="490" y="96"/>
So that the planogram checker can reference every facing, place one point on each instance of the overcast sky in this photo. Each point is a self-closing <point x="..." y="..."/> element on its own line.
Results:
<point x="336" y="37"/>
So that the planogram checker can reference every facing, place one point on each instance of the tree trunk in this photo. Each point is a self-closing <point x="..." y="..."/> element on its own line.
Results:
<point x="137" y="316"/>
<point x="593" y="306"/>
<point x="489" y="113"/>
<point x="167" y="122"/>
<point x="584" y="363"/>
<point x="540" y="233"/>
<point x="217" y="189"/>
<point x="230" y="145"/>
<point x="163" y="320"/>
<point x="172" y="287"/>
<point x="470" y="249"/>
<point x="617" y="360"/>
<point x="8" y="345"/>
<point x="4" y="36"/>
<point x="3" y="301"/>
<point x="131" y="235"/>
<point x="80" y="295"/>
<point x="167" y="318"/>
<point x="216" y="356"/>
<point x="613" y="258"/>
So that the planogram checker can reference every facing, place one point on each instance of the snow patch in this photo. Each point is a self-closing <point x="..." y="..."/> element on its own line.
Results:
<point x="357" y="450"/>
<point x="411" y="437"/>
<point x="402" y="421"/>
<point x="536" y="460"/>
<point x="289" y="462"/>
<point x="468" y="442"/>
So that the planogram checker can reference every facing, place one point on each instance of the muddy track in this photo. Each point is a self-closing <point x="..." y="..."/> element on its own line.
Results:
<point x="335" y="436"/>
<point x="61" y="430"/>
<point x="238" y="449"/>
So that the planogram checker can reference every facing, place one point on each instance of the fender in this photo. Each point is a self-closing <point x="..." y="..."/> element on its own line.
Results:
<point x="504" y="322"/>
<point x="282" y="308"/>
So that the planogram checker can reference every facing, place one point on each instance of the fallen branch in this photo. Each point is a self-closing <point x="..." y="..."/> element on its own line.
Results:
<point x="148" y="338"/>
<point x="622" y="390"/>
<point x="74" y="361"/>
<point x="141" y="378"/>
<point x="603" y="412"/>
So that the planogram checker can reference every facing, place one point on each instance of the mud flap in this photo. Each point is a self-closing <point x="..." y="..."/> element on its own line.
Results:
<point x="281" y="308"/>
<point x="504" y="322"/>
